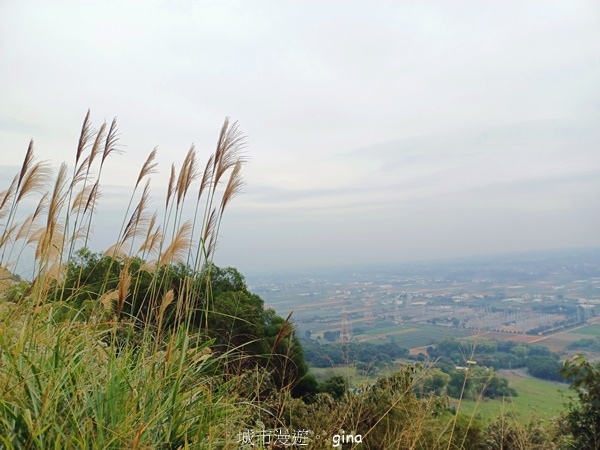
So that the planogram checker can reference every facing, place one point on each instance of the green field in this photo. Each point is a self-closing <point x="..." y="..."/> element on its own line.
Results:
<point x="591" y="330"/>
<point x="544" y="399"/>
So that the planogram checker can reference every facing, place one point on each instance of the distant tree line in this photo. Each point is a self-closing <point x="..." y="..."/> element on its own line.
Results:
<point x="364" y="354"/>
<point x="539" y="361"/>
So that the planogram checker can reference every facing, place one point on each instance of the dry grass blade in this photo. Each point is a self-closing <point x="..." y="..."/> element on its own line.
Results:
<point x="171" y="187"/>
<point x="123" y="287"/>
<point x="286" y="330"/>
<point x="148" y="168"/>
<point x="206" y="175"/>
<point x="138" y="217"/>
<point x="26" y="163"/>
<point x="166" y="301"/>
<point x="8" y="235"/>
<point x="177" y="250"/>
<point x="7" y="194"/>
<point x="84" y="136"/>
<point x="211" y="225"/>
<point x="91" y="201"/>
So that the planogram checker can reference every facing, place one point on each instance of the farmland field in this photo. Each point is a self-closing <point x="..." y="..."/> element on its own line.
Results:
<point x="589" y="331"/>
<point x="536" y="397"/>
<point x="413" y="335"/>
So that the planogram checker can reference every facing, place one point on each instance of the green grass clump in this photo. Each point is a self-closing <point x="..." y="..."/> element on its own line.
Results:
<point x="72" y="385"/>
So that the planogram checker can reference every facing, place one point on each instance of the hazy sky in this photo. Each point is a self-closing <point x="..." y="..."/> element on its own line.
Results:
<point x="377" y="131"/>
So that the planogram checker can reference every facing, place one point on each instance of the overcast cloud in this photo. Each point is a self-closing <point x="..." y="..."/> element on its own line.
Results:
<point x="377" y="131"/>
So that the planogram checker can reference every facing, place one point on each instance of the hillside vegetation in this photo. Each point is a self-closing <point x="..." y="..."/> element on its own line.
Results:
<point x="150" y="345"/>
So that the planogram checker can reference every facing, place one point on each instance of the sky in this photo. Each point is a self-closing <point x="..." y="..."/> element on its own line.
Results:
<point x="376" y="131"/>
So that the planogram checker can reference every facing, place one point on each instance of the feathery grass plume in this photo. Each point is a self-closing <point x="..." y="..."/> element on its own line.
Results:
<point x="188" y="173"/>
<point x="35" y="180"/>
<point x="286" y="330"/>
<point x="84" y="136"/>
<point x="150" y="266"/>
<point x="26" y="163"/>
<point x="151" y="231"/>
<point x="119" y="250"/>
<point x="148" y="168"/>
<point x="209" y="233"/>
<point x="97" y="146"/>
<point x="160" y="316"/>
<point x="231" y="143"/>
<point x="51" y="240"/>
<point x="81" y="172"/>
<point x="171" y="188"/>
<point x="123" y="287"/>
<point x="8" y="235"/>
<point x="8" y="193"/>
<point x="110" y="144"/>
<point x="108" y="299"/>
<point x="31" y="219"/>
<point x="153" y="244"/>
<point x="234" y="185"/>
<point x="25" y="231"/>
<point x="82" y="232"/>
<point x="49" y="243"/>
<point x="25" y="227"/>
<point x="13" y="193"/>
<point x="175" y="252"/>
<point x="82" y="198"/>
